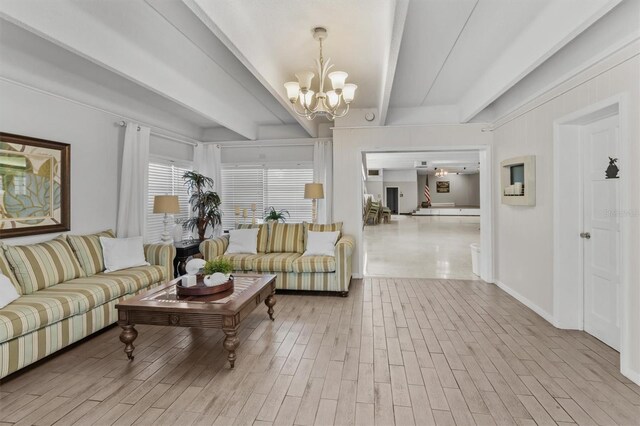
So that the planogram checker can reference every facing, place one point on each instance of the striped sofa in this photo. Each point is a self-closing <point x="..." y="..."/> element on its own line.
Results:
<point x="280" y="248"/>
<point x="65" y="296"/>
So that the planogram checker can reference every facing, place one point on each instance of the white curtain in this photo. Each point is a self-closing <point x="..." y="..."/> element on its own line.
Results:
<point x="323" y="173"/>
<point x="132" y="205"/>
<point x="206" y="161"/>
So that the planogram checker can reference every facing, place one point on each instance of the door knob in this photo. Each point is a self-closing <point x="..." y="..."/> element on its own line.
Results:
<point x="585" y="235"/>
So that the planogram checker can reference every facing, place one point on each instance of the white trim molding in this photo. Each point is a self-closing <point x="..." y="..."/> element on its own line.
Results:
<point x="526" y="302"/>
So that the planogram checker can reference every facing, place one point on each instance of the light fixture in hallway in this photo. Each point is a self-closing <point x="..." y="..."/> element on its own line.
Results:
<point x="441" y="173"/>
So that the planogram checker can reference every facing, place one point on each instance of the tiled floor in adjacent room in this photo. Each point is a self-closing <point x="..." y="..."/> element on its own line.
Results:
<point x="421" y="246"/>
<point x="396" y="351"/>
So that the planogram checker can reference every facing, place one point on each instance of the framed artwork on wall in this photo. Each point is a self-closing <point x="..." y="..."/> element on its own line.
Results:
<point x="442" y="186"/>
<point x="34" y="186"/>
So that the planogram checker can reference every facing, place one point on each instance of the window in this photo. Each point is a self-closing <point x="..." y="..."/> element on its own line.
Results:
<point x="278" y="187"/>
<point x="165" y="178"/>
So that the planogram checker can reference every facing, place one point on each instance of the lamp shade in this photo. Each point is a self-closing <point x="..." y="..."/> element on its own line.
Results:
<point x="304" y="79"/>
<point x="337" y="79"/>
<point x="313" y="191"/>
<point x="166" y="204"/>
<point x="293" y="88"/>
<point x="349" y="92"/>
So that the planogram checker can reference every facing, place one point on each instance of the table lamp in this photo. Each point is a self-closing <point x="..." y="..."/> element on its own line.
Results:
<point x="314" y="192"/>
<point x="167" y="204"/>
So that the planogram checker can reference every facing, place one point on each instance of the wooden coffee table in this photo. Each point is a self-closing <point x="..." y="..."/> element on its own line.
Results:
<point x="161" y="306"/>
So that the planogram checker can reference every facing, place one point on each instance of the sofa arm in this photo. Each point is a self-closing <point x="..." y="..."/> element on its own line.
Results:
<point x="214" y="247"/>
<point x="344" y="250"/>
<point x="161" y="255"/>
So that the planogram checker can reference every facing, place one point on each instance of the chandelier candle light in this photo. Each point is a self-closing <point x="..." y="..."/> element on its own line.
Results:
<point x="331" y="104"/>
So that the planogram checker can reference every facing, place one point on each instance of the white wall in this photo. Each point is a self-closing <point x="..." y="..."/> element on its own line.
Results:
<point x="407" y="195"/>
<point x="375" y="188"/>
<point x="96" y="143"/>
<point x="347" y="158"/>
<point x="407" y="182"/>
<point x="464" y="190"/>
<point x="260" y="153"/>
<point x="524" y="235"/>
<point x="96" y="150"/>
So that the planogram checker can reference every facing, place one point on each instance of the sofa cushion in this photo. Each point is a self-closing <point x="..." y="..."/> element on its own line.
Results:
<point x="314" y="264"/>
<point x="263" y="234"/>
<point x="6" y="270"/>
<point x="240" y="261"/>
<point x="34" y="311"/>
<point x="88" y="250"/>
<point x="43" y="265"/>
<point x="141" y="276"/>
<point x="320" y="227"/>
<point x="286" y="238"/>
<point x="275" y="262"/>
<point x="92" y="291"/>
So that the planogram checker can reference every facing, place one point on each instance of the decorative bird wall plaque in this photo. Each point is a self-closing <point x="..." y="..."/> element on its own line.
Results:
<point x="612" y="170"/>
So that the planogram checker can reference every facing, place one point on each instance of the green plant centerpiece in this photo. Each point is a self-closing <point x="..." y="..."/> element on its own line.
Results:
<point x="205" y="203"/>
<point x="273" y="215"/>
<point x="217" y="272"/>
<point x="219" y="265"/>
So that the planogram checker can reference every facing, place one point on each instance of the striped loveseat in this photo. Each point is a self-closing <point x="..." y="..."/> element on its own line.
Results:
<point x="64" y="295"/>
<point x="280" y="248"/>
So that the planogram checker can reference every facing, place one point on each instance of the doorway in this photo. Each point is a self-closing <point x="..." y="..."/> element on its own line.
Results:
<point x="601" y="231"/>
<point x="392" y="199"/>
<point x="434" y="198"/>
<point x="592" y="238"/>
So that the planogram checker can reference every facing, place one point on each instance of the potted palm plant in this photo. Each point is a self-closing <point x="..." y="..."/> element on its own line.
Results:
<point x="273" y="215"/>
<point x="204" y="202"/>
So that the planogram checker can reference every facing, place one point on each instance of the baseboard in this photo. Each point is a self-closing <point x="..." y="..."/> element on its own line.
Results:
<point x="357" y="276"/>
<point x="528" y="303"/>
<point x="634" y="376"/>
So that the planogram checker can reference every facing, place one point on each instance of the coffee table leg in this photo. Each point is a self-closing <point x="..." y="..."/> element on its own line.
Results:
<point x="231" y="343"/>
<point x="270" y="301"/>
<point x="128" y="335"/>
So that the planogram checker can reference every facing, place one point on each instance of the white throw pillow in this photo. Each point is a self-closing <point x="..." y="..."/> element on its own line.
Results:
<point x="8" y="292"/>
<point x="243" y="241"/>
<point x="321" y="243"/>
<point x="122" y="253"/>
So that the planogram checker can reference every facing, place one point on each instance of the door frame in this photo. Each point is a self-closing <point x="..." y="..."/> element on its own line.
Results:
<point x="385" y="196"/>
<point x="486" y="200"/>
<point x="568" y="215"/>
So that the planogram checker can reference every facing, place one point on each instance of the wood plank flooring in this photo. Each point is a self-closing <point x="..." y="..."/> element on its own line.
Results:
<point x="396" y="351"/>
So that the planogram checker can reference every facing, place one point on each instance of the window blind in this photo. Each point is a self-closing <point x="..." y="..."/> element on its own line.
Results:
<point x="281" y="188"/>
<point x="165" y="178"/>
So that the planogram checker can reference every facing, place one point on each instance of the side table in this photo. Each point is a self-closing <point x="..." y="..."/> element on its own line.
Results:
<point x="184" y="250"/>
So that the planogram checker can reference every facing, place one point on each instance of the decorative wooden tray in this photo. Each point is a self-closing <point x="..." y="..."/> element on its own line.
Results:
<point x="202" y="290"/>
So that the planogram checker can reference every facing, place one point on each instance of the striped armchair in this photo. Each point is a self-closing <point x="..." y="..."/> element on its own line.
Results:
<point x="65" y="295"/>
<point x="279" y="251"/>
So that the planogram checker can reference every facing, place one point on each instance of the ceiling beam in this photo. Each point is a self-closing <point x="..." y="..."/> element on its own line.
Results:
<point x="399" y="19"/>
<point x="113" y="47"/>
<point x="276" y="89"/>
<point x="552" y="29"/>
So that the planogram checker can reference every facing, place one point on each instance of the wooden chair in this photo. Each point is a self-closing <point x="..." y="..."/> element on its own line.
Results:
<point x="373" y="213"/>
<point x="385" y="215"/>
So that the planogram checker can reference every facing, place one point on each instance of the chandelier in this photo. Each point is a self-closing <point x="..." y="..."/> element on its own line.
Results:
<point x="309" y="104"/>
<point x="441" y="173"/>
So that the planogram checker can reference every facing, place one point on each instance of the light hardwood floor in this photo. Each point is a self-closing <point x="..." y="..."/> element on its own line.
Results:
<point x="396" y="351"/>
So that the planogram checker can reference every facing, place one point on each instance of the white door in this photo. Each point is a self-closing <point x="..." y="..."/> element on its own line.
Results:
<point x="601" y="233"/>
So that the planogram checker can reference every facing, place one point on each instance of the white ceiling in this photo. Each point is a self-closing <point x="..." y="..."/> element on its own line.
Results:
<point x="218" y="66"/>
<point x="452" y="42"/>
<point x="452" y="161"/>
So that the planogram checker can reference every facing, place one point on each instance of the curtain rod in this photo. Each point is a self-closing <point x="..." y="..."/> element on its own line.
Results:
<point x="122" y="123"/>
